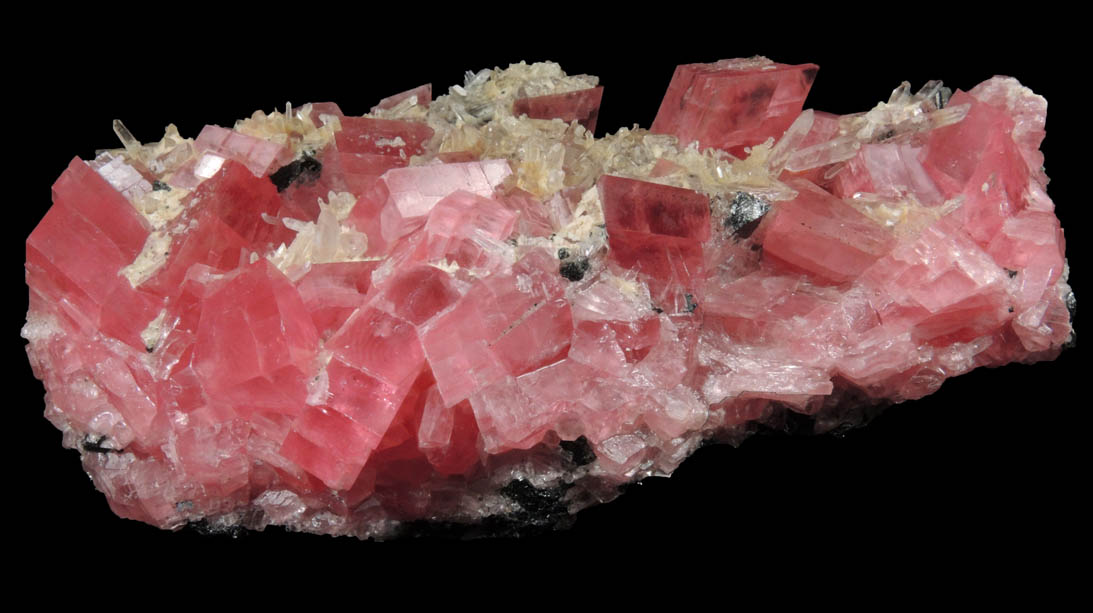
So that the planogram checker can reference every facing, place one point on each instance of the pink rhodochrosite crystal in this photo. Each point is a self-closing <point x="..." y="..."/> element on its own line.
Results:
<point x="469" y="307"/>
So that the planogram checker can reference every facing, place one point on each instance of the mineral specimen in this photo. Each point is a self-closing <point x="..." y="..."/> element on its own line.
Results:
<point x="469" y="307"/>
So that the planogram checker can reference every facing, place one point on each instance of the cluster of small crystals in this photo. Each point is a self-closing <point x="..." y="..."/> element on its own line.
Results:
<point x="468" y="307"/>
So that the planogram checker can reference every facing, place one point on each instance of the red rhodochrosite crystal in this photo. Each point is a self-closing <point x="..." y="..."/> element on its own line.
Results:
<point x="733" y="104"/>
<point x="458" y="308"/>
<point x="582" y="106"/>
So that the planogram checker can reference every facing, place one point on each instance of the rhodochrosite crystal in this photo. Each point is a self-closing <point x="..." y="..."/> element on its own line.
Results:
<point x="468" y="307"/>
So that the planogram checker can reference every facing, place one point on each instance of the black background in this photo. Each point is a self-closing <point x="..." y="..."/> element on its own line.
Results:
<point x="983" y="479"/>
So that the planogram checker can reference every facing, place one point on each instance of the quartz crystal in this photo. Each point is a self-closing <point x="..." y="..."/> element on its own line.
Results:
<point x="470" y="308"/>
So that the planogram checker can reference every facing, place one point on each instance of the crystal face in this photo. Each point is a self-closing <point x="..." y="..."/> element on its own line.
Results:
<point x="450" y="308"/>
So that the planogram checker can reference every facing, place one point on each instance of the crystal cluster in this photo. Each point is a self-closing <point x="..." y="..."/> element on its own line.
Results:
<point x="470" y="307"/>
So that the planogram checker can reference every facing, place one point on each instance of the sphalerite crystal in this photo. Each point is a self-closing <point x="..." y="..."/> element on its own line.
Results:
<point x="470" y="307"/>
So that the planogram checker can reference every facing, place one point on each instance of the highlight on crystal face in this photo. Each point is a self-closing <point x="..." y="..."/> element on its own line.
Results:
<point x="469" y="307"/>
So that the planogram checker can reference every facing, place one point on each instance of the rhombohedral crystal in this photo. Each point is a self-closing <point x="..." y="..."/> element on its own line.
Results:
<point x="469" y="307"/>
